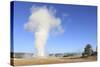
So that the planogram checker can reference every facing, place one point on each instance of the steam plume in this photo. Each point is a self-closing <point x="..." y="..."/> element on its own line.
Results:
<point x="41" y="22"/>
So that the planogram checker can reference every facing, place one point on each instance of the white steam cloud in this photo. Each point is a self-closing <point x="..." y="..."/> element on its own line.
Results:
<point x="41" y="22"/>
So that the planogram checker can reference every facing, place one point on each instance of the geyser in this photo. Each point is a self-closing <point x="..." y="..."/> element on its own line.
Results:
<point x="41" y="22"/>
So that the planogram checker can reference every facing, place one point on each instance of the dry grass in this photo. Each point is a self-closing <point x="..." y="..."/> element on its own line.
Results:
<point x="50" y="60"/>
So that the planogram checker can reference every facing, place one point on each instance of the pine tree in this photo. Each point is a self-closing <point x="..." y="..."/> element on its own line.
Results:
<point x="88" y="51"/>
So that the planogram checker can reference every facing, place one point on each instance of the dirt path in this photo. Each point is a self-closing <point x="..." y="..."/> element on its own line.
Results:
<point x="50" y="60"/>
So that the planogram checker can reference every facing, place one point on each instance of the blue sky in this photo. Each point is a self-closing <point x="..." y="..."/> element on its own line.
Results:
<point x="79" y="23"/>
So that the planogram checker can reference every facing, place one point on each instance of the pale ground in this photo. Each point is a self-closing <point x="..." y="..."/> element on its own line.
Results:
<point x="50" y="60"/>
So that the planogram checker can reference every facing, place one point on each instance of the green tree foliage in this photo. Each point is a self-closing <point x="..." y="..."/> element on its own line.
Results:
<point x="88" y="51"/>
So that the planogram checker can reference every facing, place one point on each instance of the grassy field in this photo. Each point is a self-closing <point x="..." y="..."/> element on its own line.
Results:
<point x="50" y="60"/>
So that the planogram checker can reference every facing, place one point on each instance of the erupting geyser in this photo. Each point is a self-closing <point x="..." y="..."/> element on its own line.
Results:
<point x="41" y="21"/>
